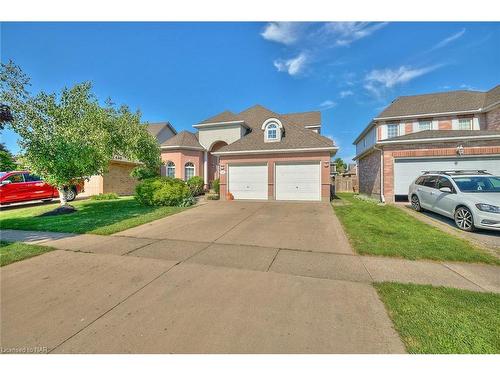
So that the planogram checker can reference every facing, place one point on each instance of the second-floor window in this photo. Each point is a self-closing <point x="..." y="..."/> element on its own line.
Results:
<point x="392" y="130"/>
<point x="424" y="125"/>
<point x="465" y="124"/>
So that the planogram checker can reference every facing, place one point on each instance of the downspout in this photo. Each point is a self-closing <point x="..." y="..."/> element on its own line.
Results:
<point x="382" y="198"/>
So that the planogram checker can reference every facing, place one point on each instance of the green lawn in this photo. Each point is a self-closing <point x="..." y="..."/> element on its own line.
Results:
<point x="16" y="251"/>
<point x="93" y="216"/>
<point x="443" y="320"/>
<point x="389" y="231"/>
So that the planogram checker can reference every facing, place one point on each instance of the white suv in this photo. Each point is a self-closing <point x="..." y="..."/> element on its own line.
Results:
<point x="471" y="198"/>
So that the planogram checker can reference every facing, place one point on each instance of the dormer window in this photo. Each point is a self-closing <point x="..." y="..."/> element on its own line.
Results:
<point x="273" y="130"/>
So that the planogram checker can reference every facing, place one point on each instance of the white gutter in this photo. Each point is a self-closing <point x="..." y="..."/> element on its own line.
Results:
<point x="470" y="137"/>
<point x="288" y="150"/>
<point x="212" y="124"/>
<point x="181" y="147"/>
<point x="312" y="126"/>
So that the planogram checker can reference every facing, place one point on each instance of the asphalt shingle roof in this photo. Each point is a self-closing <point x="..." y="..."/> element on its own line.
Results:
<point x="183" y="139"/>
<point x="452" y="101"/>
<point x="294" y="135"/>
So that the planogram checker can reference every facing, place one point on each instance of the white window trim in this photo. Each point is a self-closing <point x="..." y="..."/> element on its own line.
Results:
<point x="167" y="168"/>
<point x="279" y="129"/>
<point x="185" y="168"/>
<point x="471" y="123"/>
<point x="430" y="122"/>
<point x="387" y="130"/>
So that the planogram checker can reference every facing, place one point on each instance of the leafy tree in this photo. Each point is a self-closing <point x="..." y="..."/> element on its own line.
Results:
<point x="69" y="136"/>
<point x="7" y="162"/>
<point x="340" y="165"/>
<point x="5" y="115"/>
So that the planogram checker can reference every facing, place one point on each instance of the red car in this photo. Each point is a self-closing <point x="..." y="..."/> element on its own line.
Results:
<point x="21" y="186"/>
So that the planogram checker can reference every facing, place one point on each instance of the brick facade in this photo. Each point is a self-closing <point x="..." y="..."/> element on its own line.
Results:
<point x="493" y="119"/>
<point x="116" y="180"/>
<point x="271" y="159"/>
<point x="444" y="124"/>
<point x="369" y="173"/>
<point x="428" y="150"/>
<point x="180" y="158"/>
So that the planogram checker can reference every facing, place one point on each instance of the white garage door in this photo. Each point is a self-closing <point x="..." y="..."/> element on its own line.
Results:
<point x="248" y="181"/>
<point x="299" y="182"/>
<point x="407" y="170"/>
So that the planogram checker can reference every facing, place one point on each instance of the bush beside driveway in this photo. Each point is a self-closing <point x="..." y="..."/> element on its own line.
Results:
<point x="385" y="230"/>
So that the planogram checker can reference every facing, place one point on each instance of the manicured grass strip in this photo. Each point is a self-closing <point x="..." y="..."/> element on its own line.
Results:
<point x="438" y="320"/>
<point x="389" y="231"/>
<point x="93" y="216"/>
<point x="16" y="251"/>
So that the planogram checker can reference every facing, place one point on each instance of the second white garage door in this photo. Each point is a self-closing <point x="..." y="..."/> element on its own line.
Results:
<point x="248" y="181"/>
<point x="407" y="170"/>
<point x="299" y="182"/>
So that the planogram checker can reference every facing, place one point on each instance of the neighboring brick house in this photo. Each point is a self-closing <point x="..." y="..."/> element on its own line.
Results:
<point x="117" y="179"/>
<point x="257" y="154"/>
<point x="454" y="130"/>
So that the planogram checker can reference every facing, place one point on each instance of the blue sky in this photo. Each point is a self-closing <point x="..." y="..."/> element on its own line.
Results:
<point x="185" y="72"/>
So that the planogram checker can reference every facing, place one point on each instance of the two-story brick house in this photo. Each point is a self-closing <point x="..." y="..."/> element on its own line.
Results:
<point x="454" y="130"/>
<point x="257" y="154"/>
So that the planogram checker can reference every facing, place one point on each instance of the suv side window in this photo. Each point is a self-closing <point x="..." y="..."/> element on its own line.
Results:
<point x="28" y="177"/>
<point x="15" y="178"/>
<point x="430" y="181"/>
<point x="420" y="180"/>
<point x="444" y="182"/>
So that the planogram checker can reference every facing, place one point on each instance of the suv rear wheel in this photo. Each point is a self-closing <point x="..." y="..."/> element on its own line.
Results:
<point x="415" y="203"/>
<point x="464" y="219"/>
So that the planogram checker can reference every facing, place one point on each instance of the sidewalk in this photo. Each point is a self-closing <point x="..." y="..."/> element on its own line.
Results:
<point x="363" y="269"/>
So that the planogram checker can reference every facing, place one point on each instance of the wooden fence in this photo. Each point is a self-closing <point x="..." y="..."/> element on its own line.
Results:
<point x="345" y="184"/>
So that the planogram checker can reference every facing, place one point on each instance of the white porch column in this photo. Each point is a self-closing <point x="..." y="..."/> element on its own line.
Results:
<point x="205" y="168"/>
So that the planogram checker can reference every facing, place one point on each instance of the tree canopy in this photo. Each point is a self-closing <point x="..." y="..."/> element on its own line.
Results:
<point x="69" y="135"/>
<point x="340" y="165"/>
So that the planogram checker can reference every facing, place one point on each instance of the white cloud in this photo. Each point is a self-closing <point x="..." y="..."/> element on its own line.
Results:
<point x="346" y="93"/>
<point x="348" y="32"/>
<point x="282" y="32"/>
<point x="328" y="104"/>
<point x="448" y="40"/>
<point x="292" y="66"/>
<point x="377" y="81"/>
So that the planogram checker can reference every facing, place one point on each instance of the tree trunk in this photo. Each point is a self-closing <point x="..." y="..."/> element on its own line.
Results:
<point x="62" y="196"/>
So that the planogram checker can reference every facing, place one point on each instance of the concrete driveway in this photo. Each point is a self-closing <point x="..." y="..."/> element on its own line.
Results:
<point x="225" y="277"/>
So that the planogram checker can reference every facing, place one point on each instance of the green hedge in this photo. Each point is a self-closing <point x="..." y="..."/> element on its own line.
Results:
<point x="164" y="191"/>
<point x="105" y="197"/>
<point x="216" y="185"/>
<point x="195" y="185"/>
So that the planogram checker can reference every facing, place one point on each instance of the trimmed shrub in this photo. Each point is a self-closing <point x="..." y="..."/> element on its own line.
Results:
<point x="163" y="191"/>
<point x="212" y="197"/>
<point x="105" y="197"/>
<point x="195" y="185"/>
<point x="216" y="185"/>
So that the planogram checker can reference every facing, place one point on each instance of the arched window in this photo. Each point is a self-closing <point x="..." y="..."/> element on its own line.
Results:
<point x="272" y="131"/>
<point x="170" y="169"/>
<point x="188" y="170"/>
